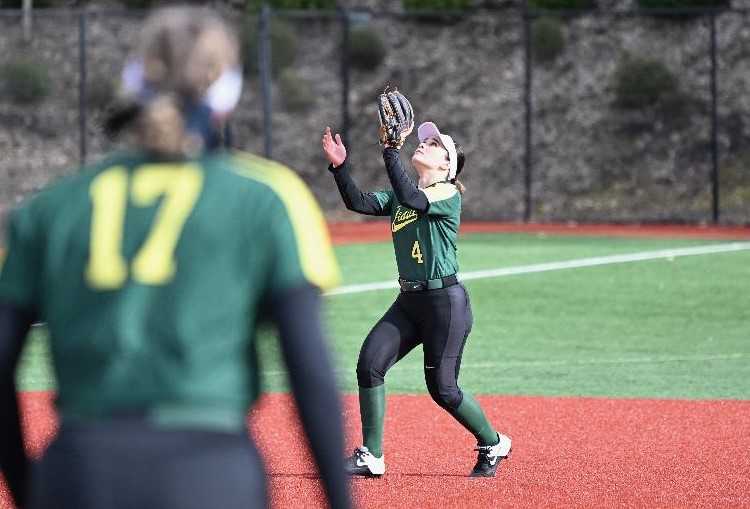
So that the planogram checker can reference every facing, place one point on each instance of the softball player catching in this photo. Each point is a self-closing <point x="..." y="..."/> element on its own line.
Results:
<point x="433" y="307"/>
<point x="152" y="270"/>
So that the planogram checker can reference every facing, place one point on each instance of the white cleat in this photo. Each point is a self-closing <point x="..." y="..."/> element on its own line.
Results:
<point x="362" y="462"/>
<point x="489" y="457"/>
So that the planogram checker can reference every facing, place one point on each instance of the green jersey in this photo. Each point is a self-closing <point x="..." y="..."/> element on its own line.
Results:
<point x="425" y="244"/>
<point x="150" y="275"/>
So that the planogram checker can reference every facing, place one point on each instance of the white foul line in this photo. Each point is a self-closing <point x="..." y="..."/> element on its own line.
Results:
<point x="562" y="265"/>
<point x="565" y="362"/>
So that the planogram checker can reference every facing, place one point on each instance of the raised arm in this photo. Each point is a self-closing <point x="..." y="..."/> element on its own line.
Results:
<point x="406" y="191"/>
<point x="354" y="199"/>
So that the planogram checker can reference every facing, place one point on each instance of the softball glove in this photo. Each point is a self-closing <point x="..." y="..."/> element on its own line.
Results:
<point x="396" y="118"/>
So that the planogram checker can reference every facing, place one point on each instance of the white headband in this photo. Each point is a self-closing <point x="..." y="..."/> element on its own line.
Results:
<point x="429" y="130"/>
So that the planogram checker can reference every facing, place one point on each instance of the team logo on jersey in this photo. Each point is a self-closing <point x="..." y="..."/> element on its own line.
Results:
<point x="403" y="217"/>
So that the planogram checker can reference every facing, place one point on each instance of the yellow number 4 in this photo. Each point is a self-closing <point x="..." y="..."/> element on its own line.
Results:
<point x="154" y="264"/>
<point x="416" y="253"/>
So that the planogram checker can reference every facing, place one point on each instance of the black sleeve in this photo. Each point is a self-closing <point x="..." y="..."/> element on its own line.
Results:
<point x="296" y="312"/>
<point x="14" y="324"/>
<point x="407" y="193"/>
<point x="354" y="199"/>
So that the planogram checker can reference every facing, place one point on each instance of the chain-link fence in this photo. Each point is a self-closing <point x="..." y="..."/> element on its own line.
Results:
<point x="550" y="132"/>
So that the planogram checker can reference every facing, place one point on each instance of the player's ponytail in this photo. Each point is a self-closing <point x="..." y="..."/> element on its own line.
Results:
<point x="181" y="53"/>
<point x="460" y="159"/>
<point x="161" y="128"/>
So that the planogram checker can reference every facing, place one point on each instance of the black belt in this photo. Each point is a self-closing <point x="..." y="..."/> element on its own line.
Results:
<point x="430" y="284"/>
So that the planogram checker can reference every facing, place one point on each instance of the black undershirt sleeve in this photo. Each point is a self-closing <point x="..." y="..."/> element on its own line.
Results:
<point x="14" y="325"/>
<point x="296" y="313"/>
<point x="407" y="193"/>
<point x="354" y="199"/>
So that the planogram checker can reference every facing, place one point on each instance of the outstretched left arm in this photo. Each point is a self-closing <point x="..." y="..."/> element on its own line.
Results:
<point x="407" y="193"/>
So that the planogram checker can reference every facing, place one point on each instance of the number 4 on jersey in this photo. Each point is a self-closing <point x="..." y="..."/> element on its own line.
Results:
<point x="416" y="252"/>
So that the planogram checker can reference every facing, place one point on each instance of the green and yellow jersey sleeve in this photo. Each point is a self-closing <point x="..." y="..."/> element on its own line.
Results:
<point x="301" y="246"/>
<point x="444" y="198"/>
<point x="385" y="200"/>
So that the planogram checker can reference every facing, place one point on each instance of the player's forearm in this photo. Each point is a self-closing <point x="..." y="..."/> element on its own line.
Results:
<point x="407" y="193"/>
<point x="354" y="199"/>
<point x="297" y="314"/>
<point x="14" y="324"/>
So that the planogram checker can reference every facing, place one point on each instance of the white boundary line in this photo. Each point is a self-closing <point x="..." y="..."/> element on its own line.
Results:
<point x="562" y="265"/>
<point x="569" y="362"/>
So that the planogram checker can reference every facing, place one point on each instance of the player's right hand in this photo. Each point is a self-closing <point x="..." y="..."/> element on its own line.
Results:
<point x="334" y="150"/>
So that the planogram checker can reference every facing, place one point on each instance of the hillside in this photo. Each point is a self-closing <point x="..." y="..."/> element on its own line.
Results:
<point x="592" y="160"/>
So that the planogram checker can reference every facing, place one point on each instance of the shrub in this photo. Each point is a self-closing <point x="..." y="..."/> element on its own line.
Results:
<point x="641" y="83"/>
<point x="24" y="80"/>
<point x="547" y="40"/>
<point x="562" y="4"/>
<point x="283" y="45"/>
<point x="296" y="93"/>
<point x="681" y="4"/>
<point x="366" y="49"/>
<point x="255" y="5"/>
<point x="436" y="4"/>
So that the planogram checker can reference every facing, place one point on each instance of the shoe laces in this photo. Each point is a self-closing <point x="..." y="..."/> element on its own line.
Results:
<point x="484" y="452"/>
<point x="361" y="452"/>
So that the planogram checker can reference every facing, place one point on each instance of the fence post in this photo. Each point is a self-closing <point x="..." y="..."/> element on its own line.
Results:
<point x="27" y="8"/>
<point x="264" y="68"/>
<point x="345" y="29"/>
<point x="82" y="92"/>
<point x="528" y="165"/>
<point x="714" y="127"/>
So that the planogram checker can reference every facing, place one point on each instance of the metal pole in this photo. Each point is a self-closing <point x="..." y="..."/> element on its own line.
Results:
<point x="82" y="86"/>
<point x="345" y="30"/>
<point x="714" y="127"/>
<point x="27" y="7"/>
<point x="264" y="67"/>
<point x="528" y="165"/>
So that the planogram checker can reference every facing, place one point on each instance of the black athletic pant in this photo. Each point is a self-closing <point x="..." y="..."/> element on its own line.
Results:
<point x="129" y="464"/>
<point x="441" y="321"/>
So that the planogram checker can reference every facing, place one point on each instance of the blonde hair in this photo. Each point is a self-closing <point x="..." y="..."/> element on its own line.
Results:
<point x="459" y="185"/>
<point x="183" y="51"/>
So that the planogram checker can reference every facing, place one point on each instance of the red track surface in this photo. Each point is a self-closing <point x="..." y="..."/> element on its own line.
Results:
<point x="567" y="452"/>
<point x="376" y="231"/>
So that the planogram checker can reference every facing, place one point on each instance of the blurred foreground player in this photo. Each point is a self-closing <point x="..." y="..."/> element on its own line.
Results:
<point x="151" y="269"/>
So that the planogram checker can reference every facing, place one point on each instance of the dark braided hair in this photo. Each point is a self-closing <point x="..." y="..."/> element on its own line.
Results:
<point x="460" y="159"/>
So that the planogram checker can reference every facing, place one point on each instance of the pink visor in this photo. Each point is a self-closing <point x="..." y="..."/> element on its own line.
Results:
<point x="429" y="130"/>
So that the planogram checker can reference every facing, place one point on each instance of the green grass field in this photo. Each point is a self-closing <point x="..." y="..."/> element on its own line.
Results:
<point x="671" y="328"/>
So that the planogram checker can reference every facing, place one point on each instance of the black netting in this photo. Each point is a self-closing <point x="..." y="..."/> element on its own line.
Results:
<point x="621" y="124"/>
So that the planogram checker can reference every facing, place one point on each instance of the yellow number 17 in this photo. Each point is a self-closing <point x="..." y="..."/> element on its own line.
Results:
<point x="154" y="264"/>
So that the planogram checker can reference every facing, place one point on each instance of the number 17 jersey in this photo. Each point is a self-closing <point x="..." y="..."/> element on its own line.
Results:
<point x="149" y="276"/>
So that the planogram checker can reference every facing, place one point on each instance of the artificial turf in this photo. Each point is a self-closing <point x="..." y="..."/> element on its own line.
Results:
<point x="668" y="328"/>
